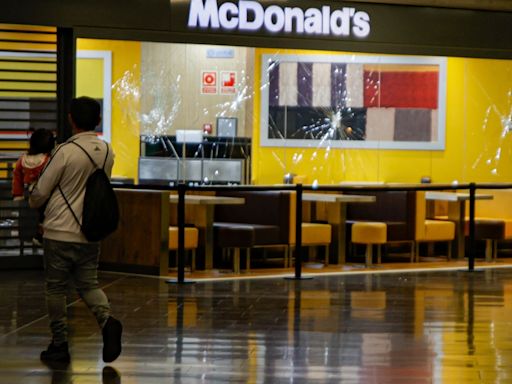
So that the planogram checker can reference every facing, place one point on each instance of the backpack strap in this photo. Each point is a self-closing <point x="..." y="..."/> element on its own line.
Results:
<point x="69" y="206"/>
<point x="89" y="156"/>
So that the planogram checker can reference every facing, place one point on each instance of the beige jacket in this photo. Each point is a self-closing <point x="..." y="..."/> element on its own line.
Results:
<point x="69" y="167"/>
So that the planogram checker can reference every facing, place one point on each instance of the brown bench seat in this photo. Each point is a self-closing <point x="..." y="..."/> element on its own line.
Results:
<point x="263" y="220"/>
<point x="491" y="231"/>
<point x="245" y="235"/>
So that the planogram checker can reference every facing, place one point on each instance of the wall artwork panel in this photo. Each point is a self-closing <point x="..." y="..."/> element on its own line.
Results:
<point x="341" y="101"/>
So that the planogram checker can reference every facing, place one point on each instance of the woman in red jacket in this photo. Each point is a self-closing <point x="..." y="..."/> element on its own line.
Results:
<point x="29" y="165"/>
<point x="26" y="172"/>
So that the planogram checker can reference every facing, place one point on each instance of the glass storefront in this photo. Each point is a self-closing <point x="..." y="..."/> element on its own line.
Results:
<point x="326" y="116"/>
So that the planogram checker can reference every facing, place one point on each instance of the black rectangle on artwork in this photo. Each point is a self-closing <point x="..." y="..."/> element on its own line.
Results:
<point x="317" y="123"/>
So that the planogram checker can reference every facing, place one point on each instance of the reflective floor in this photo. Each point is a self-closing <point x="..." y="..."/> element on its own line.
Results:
<point x="416" y="327"/>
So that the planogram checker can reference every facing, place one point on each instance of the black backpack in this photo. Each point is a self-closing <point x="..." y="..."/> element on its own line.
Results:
<point x="100" y="215"/>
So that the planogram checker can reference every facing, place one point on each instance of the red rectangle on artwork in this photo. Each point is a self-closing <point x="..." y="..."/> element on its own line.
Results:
<point x="407" y="89"/>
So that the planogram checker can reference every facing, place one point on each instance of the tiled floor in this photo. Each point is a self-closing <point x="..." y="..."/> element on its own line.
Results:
<point x="405" y="327"/>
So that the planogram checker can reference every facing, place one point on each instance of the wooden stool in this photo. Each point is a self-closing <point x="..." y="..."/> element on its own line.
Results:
<point x="370" y="233"/>
<point x="191" y="241"/>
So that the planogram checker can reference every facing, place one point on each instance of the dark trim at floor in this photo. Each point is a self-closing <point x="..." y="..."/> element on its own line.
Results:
<point x="21" y="262"/>
<point x="140" y="269"/>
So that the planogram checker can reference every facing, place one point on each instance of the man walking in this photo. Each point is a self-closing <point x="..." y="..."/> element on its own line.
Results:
<point x="68" y="255"/>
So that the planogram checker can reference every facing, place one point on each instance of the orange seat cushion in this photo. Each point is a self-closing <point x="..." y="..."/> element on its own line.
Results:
<point x="316" y="233"/>
<point x="191" y="237"/>
<point x="439" y="230"/>
<point x="369" y="233"/>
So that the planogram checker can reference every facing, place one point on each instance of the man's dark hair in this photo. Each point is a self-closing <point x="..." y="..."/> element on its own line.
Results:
<point x="85" y="112"/>
<point x="41" y="141"/>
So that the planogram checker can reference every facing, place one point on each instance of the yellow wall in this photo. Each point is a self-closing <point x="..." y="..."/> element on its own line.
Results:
<point x="125" y="131"/>
<point x="89" y="77"/>
<point x="489" y="87"/>
<point x="473" y="86"/>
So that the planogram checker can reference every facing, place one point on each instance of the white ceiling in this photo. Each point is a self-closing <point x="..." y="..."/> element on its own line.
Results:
<point x="500" y="5"/>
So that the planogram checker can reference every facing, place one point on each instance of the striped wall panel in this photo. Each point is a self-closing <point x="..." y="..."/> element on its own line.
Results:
<point x="28" y="85"/>
<point x="353" y="101"/>
<point x="28" y="99"/>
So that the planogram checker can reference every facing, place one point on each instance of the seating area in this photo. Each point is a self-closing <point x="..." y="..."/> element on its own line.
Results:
<point x="493" y="218"/>
<point x="228" y="227"/>
<point x="397" y="217"/>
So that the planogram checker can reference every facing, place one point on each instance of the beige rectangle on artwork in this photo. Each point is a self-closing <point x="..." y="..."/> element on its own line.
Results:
<point x="321" y="85"/>
<point x="380" y="124"/>
<point x="288" y="84"/>
<point x="355" y="86"/>
<point x="434" y="137"/>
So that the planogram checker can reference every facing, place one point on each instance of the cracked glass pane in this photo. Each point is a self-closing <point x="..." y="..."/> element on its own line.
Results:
<point x="318" y="117"/>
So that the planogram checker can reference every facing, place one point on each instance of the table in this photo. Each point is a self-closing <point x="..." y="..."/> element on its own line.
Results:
<point x="338" y="216"/>
<point x="457" y="214"/>
<point x="206" y="222"/>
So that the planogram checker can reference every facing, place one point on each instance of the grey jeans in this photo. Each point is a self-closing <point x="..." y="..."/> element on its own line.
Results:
<point x="67" y="262"/>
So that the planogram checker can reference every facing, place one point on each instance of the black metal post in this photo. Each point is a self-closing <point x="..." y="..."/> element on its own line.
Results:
<point x="471" y="256"/>
<point x="298" y="236"/>
<point x="66" y="53"/>
<point x="470" y="330"/>
<point x="181" y="232"/>
<point x="298" y="232"/>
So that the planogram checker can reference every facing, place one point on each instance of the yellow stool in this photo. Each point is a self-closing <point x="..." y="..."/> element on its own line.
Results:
<point x="313" y="234"/>
<point x="436" y="231"/>
<point x="370" y="233"/>
<point x="191" y="241"/>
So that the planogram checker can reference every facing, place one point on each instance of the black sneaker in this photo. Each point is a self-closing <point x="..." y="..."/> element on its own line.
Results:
<point x="56" y="353"/>
<point x="112" y="339"/>
<point x="110" y="376"/>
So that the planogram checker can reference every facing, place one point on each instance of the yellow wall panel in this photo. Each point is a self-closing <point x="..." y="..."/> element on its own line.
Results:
<point x="89" y="78"/>
<point x="125" y="132"/>
<point x="488" y="108"/>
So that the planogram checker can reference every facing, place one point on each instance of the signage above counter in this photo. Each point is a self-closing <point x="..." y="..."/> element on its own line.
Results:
<point x="343" y="26"/>
<point x="253" y="17"/>
<point x="298" y="24"/>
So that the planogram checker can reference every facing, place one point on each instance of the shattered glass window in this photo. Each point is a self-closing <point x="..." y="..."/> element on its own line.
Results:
<point x="321" y="117"/>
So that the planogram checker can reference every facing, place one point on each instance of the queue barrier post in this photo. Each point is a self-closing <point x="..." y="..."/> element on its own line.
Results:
<point x="471" y="256"/>
<point x="182" y="189"/>
<point x="298" y="235"/>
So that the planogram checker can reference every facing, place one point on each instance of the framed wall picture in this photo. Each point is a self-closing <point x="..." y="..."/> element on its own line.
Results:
<point x="353" y="101"/>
